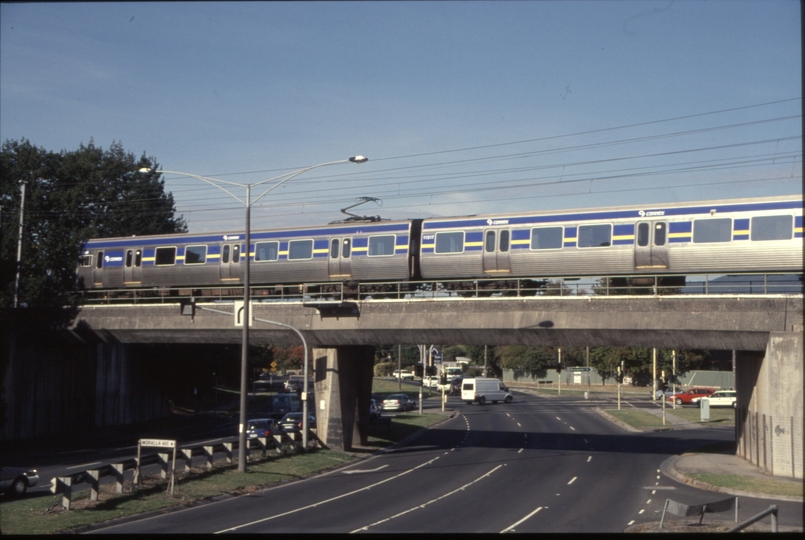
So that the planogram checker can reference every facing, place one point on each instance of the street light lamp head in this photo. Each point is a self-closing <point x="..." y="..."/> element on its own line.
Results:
<point x="359" y="159"/>
<point x="145" y="170"/>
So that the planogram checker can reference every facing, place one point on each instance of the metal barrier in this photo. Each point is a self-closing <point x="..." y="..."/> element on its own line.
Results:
<point x="771" y="510"/>
<point x="685" y="510"/>
<point x="65" y="484"/>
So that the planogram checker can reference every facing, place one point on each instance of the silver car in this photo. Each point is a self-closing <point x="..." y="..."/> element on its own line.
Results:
<point x="15" y="481"/>
<point x="398" y="402"/>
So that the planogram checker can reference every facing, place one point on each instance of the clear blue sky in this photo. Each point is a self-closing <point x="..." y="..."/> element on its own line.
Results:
<point x="462" y="107"/>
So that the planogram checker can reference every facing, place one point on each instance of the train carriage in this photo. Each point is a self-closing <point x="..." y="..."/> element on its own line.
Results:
<point x="361" y="251"/>
<point x="739" y="235"/>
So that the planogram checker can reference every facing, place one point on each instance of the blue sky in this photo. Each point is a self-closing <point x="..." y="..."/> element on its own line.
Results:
<point x="461" y="107"/>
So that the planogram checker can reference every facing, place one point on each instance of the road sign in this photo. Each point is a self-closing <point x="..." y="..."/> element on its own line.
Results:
<point x="163" y="443"/>
<point x="239" y="305"/>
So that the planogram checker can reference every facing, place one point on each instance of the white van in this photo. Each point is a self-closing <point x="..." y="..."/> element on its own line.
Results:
<point x="483" y="389"/>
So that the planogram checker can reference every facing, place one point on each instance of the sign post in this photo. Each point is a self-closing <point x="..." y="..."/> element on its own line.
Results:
<point x="160" y="443"/>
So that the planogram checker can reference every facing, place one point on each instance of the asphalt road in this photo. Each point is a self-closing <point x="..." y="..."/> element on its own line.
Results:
<point x="535" y="465"/>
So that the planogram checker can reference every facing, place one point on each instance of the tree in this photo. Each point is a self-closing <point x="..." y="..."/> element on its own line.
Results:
<point x="524" y="361"/>
<point x="71" y="197"/>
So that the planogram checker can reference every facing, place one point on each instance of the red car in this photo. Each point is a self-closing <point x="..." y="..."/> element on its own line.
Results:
<point x="686" y="397"/>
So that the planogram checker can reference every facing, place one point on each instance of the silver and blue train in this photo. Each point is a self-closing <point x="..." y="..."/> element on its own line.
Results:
<point x="723" y="236"/>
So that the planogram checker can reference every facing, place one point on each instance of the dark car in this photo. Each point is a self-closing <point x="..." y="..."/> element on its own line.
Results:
<point x="455" y="386"/>
<point x="262" y="427"/>
<point x="293" y="421"/>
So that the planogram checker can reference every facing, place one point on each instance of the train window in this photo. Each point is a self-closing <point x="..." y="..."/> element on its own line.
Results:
<point x="772" y="228"/>
<point x="346" y="249"/>
<point x="381" y="246"/>
<point x="129" y="256"/>
<point x="164" y="256"/>
<point x="450" y="242"/>
<point x="138" y="258"/>
<point x="334" y="248"/>
<point x="236" y="254"/>
<point x="195" y="255"/>
<point x="707" y="231"/>
<point x="594" y="236"/>
<point x="489" y="243"/>
<point x="266" y="251"/>
<point x="504" y="240"/>
<point x="642" y="234"/>
<point x="225" y="254"/>
<point x="546" y="238"/>
<point x="99" y="261"/>
<point x="659" y="234"/>
<point x="86" y="260"/>
<point x="300" y="249"/>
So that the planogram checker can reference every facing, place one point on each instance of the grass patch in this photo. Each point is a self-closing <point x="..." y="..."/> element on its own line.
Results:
<point x="44" y="515"/>
<point x="723" y="416"/>
<point x="402" y="426"/>
<point x="636" y="418"/>
<point x="751" y="484"/>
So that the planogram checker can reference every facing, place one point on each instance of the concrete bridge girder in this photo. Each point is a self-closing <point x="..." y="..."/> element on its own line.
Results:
<point x="730" y="323"/>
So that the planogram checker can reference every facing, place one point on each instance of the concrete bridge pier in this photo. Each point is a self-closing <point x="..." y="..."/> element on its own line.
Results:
<point x="343" y="382"/>
<point x="769" y="415"/>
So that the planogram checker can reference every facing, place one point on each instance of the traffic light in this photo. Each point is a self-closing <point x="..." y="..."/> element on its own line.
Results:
<point x="443" y="379"/>
<point x="418" y="370"/>
<point x="430" y="370"/>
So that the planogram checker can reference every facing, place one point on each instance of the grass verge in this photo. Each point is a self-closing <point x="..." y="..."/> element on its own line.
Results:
<point x="43" y="514"/>
<point x="750" y="484"/>
<point x="636" y="418"/>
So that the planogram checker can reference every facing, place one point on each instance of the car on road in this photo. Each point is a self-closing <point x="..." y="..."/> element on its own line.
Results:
<point x="687" y="397"/>
<point x="398" y="402"/>
<point x="721" y="398"/>
<point x="405" y="375"/>
<point x="262" y="427"/>
<point x="15" y="481"/>
<point x="455" y="386"/>
<point x="293" y="422"/>
<point x="431" y="381"/>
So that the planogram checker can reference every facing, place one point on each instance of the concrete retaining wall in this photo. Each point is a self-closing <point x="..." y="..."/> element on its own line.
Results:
<point x="769" y="427"/>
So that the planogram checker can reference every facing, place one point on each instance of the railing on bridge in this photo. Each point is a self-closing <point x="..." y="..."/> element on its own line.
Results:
<point x="552" y="286"/>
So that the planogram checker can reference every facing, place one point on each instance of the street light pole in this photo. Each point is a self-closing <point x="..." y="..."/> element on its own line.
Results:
<point x="244" y="357"/>
<point x="19" y="245"/>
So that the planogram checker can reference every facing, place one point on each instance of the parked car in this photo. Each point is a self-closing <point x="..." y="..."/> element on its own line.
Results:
<point x="262" y="427"/>
<point x="404" y="375"/>
<point x="660" y="394"/>
<point x="722" y="398"/>
<point x="398" y="402"/>
<point x="293" y="421"/>
<point x="15" y="481"/>
<point x="688" y="396"/>
<point x="374" y="410"/>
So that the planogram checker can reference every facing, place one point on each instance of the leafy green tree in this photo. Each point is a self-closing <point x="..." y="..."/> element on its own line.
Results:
<point x="525" y="361"/>
<point x="72" y="196"/>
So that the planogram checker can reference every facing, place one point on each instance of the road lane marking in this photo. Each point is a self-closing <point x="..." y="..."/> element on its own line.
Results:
<point x="641" y="511"/>
<point x="572" y="480"/>
<point x="85" y="465"/>
<point x="589" y="459"/>
<point x="365" y="470"/>
<point x="511" y="527"/>
<point x="520" y="451"/>
<point x="417" y="507"/>
<point x="571" y="427"/>
<point x="314" y="505"/>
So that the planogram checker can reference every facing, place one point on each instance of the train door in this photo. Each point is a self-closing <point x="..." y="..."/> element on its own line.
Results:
<point x="132" y="266"/>
<point x="230" y="262"/>
<point x="97" y="268"/>
<point x="340" y="263"/>
<point x="496" y="250"/>
<point x="651" y="244"/>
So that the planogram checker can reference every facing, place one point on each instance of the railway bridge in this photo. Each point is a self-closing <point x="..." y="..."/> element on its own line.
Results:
<point x="766" y="330"/>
